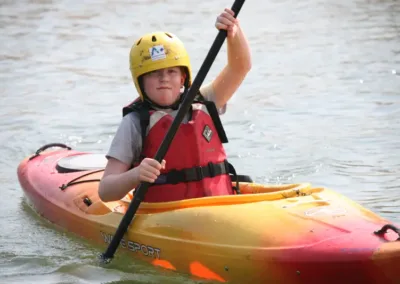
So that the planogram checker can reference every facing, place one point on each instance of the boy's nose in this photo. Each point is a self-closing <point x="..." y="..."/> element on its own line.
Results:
<point x="162" y="74"/>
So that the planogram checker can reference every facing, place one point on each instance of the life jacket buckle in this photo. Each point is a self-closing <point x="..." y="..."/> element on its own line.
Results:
<point x="211" y="169"/>
<point x="199" y="172"/>
<point x="175" y="176"/>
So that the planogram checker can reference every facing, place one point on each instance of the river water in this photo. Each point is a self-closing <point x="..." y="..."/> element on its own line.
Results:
<point x="321" y="105"/>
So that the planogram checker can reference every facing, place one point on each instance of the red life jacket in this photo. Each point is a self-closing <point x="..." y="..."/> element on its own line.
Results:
<point x="196" y="164"/>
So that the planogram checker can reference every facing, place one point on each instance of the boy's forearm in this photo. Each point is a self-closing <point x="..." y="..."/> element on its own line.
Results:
<point x="239" y="56"/>
<point x="116" y="186"/>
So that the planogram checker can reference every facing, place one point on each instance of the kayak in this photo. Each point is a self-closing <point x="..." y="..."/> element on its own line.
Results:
<point x="289" y="233"/>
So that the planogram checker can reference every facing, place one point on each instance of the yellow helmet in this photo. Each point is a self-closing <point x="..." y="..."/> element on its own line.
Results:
<point x="155" y="51"/>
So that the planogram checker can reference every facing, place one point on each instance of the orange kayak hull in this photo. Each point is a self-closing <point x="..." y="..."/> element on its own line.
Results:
<point x="292" y="233"/>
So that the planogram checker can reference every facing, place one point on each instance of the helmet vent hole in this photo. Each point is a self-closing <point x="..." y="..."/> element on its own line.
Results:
<point x="168" y="35"/>
<point x="153" y="38"/>
<point x="138" y="41"/>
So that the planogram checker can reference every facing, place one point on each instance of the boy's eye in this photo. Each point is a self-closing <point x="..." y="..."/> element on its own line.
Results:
<point x="153" y="73"/>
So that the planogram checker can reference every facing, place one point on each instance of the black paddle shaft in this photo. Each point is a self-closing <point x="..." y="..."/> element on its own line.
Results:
<point x="161" y="152"/>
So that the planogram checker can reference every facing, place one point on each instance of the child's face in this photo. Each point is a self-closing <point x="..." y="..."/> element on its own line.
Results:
<point x="163" y="86"/>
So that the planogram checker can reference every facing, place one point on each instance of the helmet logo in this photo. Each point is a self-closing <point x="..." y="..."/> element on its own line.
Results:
<point x="157" y="52"/>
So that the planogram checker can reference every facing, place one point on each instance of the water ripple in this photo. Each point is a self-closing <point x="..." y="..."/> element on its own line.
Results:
<point x="321" y="105"/>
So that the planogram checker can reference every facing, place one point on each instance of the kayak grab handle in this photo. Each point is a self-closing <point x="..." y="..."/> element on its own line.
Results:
<point x="385" y="228"/>
<point x="44" y="147"/>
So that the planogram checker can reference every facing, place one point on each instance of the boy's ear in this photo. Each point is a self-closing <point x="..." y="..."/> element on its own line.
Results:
<point x="183" y="78"/>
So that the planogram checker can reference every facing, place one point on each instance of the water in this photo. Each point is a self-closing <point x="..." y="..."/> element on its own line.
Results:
<point x="321" y="105"/>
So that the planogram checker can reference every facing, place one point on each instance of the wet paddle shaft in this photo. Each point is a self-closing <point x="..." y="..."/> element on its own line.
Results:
<point x="184" y="108"/>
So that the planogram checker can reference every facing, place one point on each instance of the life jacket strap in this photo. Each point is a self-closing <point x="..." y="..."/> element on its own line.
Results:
<point x="193" y="174"/>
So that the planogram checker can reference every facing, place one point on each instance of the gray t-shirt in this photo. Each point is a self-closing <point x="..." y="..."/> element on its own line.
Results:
<point x="127" y="143"/>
